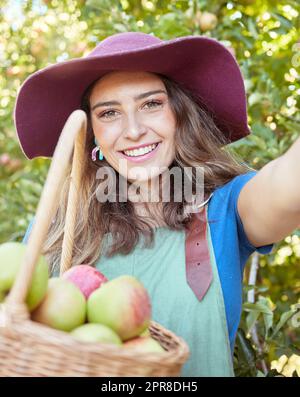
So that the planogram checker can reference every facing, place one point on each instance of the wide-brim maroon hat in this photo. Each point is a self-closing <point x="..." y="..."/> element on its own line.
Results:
<point x="201" y="64"/>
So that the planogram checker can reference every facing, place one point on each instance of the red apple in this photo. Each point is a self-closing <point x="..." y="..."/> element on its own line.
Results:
<point x="122" y="304"/>
<point x="86" y="278"/>
<point x="4" y="159"/>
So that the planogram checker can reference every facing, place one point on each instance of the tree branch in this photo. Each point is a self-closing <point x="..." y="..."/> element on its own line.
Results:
<point x="251" y="299"/>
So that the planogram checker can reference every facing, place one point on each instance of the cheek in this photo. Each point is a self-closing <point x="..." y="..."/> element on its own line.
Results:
<point x="163" y="125"/>
<point x="106" y="136"/>
<point x="169" y="125"/>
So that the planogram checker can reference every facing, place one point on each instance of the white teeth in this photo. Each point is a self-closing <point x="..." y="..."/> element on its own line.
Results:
<point x="141" y="151"/>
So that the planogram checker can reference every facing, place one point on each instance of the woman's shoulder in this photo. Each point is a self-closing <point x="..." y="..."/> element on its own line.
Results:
<point x="231" y="189"/>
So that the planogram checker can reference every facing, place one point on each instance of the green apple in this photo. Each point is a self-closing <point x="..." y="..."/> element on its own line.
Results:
<point x="144" y="344"/>
<point x="123" y="304"/>
<point x="2" y="296"/>
<point x="63" y="308"/>
<point x="146" y="332"/>
<point x="11" y="256"/>
<point x="96" y="333"/>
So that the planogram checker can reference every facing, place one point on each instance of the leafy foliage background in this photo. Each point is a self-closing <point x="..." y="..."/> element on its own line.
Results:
<point x="264" y="37"/>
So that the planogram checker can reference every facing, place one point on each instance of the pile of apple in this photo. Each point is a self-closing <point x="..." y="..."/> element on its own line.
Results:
<point x="84" y="302"/>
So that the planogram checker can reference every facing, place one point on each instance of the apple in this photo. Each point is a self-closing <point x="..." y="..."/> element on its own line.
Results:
<point x="123" y="304"/>
<point x="144" y="344"/>
<point x="96" y="333"/>
<point x="63" y="308"/>
<point x="207" y="21"/>
<point x="86" y="277"/>
<point x="11" y="256"/>
<point x="2" y="296"/>
<point x="146" y="332"/>
<point x="4" y="159"/>
<point x="14" y="165"/>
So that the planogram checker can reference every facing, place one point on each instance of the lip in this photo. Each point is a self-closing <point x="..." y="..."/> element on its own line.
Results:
<point x="142" y="158"/>
<point x="140" y="146"/>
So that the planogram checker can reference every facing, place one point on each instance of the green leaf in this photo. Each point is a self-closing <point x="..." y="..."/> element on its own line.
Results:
<point x="259" y="142"/>
<point x="268" y="321"/>
<point x="251" y="319"/>
<point x="103" y="5"/>
<point x="263" y="131"/>
<point x="246" y="355"/>
<point x="252" y="28"/>
<point x="256" y="288"/>
<point x="283" y="320"/>
<point x="260" y="374"/>
<point x="257" y="307"/>
<point x="254" y="98"/>
<point x="283" y="20"/>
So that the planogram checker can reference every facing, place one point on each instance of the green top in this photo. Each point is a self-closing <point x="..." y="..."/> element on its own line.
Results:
<point x="161" y="269"/>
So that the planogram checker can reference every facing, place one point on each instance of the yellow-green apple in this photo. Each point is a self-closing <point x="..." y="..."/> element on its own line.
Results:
<point x="122" y="304"/>
<point x="2" y="296"/>
<point x="64" y="306"/>
<point x="207" y="21"/>
<point x="11" y="257"/>
<point x="146" y="332"/>
<point x="96" y="333"/>
<point x="144" y="344"/>
<point x="87" y="278"/>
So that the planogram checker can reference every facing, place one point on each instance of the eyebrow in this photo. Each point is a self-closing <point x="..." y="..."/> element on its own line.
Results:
<point x="136" y="98"/>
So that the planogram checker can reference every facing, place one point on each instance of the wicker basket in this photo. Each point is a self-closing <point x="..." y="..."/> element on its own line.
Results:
<point x="28" y="348"/>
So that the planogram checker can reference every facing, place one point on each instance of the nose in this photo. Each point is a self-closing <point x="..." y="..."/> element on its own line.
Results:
<point x="134" y="130"/>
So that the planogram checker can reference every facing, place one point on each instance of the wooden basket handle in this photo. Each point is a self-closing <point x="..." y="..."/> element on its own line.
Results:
<point x="72" y="137"/>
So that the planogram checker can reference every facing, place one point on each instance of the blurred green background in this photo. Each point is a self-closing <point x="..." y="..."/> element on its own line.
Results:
<point x="264" y="38"/>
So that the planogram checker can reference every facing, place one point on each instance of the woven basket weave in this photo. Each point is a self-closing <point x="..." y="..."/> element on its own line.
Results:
<point x="28" y="348"/>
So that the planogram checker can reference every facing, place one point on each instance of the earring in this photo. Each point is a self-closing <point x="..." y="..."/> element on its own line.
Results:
<point x="95" y="150"/>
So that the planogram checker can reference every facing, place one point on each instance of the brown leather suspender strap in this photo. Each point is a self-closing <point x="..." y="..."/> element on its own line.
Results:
<point x="197" y="258"/>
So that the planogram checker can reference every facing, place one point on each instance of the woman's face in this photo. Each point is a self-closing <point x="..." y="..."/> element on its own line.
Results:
<point x="132" y="121"/>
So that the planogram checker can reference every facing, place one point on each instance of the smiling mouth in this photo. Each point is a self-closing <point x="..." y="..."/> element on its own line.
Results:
<point x="142" y="154"/>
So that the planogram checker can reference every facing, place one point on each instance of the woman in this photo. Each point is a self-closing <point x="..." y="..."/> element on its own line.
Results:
<point x="152" y="107"/>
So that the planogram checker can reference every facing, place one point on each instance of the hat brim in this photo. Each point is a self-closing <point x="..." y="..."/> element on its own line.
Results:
<point x="201" y="64"/>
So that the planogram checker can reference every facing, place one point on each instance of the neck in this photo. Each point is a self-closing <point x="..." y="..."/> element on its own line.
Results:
<point x="145" y="191"/>
<point x="150" y="211"/>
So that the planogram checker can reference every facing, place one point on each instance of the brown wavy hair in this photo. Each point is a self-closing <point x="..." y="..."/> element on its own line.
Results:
<point x="198" y="143"/>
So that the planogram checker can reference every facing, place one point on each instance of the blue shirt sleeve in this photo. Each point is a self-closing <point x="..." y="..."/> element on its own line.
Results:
<point x="237" y="185"/>
<point x="231" y="246"/>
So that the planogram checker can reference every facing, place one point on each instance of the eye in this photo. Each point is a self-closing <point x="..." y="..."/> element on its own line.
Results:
<point x="106" y="115"/>
<point x="153" y="104"/>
